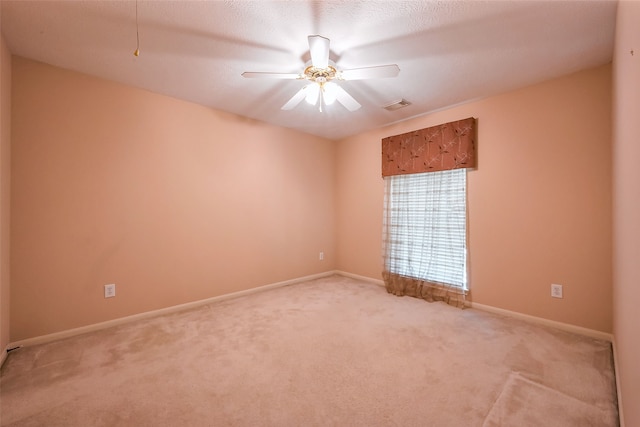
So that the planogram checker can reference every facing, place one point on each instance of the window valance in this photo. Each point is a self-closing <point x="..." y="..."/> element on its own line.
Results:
<point x="448" y="146"/>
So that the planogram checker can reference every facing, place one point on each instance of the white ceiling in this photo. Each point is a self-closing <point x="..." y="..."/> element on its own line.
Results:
<point x="448" y="52"/>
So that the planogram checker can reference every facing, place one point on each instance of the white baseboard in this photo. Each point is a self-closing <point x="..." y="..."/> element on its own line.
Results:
<point x="379" y="282"/>
<point x="167" y="310"/>
<point x="541" y="321"/>
<point x="616" y="371"/>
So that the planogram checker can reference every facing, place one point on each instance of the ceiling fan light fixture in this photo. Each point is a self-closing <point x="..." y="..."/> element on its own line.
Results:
<point x="313" y="92"/>
<point x="330" y="92"/>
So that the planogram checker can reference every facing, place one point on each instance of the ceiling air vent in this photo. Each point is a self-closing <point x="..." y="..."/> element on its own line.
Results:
<point x="396" y="105"/>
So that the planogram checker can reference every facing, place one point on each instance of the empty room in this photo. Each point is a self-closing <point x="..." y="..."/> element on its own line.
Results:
<point x="319" y="213"/>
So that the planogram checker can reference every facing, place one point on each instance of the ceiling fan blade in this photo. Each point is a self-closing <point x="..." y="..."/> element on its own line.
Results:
<point x="319" y="49"/>
<point x="251" y="74"/>
<point x="345" y="99"/>
<point x="295" y="99"/>
<point x="378" y="72"/>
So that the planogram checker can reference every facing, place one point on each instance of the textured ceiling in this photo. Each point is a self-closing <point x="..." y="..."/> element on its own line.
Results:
<point x="448" y="52"/>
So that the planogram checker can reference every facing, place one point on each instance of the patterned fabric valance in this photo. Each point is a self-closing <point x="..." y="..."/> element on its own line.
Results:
<point x="443" y="147"/>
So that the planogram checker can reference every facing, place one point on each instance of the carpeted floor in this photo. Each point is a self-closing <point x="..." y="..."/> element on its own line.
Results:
<point x="329" y="352"/>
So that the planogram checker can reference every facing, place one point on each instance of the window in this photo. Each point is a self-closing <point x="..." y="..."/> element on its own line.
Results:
<point x="425" y="226"/>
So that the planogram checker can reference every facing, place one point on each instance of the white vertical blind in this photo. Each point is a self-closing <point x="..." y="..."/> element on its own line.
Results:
<point x="425" y="225"/>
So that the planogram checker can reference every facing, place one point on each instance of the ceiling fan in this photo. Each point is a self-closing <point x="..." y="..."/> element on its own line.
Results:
<point x="322" y="89"/>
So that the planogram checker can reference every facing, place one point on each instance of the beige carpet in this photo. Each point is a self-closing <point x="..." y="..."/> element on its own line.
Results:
<point x="520" y="396"/>
<point x="329" y="352"/>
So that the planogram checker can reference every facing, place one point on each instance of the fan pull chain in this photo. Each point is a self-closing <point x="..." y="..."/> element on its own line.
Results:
<point x="137" y="51"/>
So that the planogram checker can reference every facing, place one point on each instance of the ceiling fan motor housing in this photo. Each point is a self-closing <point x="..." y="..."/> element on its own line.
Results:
<point x="320" y="75"/>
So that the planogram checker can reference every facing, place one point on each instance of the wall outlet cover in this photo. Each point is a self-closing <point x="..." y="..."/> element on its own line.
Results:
<point x="110" y="290"/>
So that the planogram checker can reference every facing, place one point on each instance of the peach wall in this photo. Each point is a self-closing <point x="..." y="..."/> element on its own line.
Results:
<point x="171" y="201"/>
<point x="539" y="202"/>
<point x="5" y="188"/>
<point x="626" y="207"/>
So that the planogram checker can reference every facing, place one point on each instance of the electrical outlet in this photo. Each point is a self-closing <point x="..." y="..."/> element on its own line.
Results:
<point x="556" y="291"/>
<point x="321" y="256"/>
<point x="110" y="291"/>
